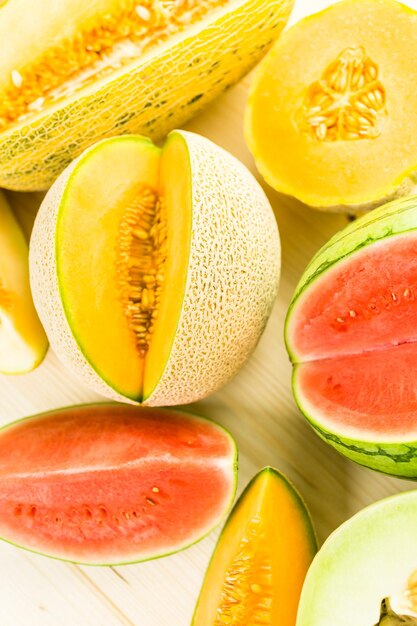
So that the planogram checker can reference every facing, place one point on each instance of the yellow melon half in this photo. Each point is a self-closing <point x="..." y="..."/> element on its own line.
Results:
<point x="154" y="271"/>
<point x="23" y="343"/>
<point x="73" y="72"/>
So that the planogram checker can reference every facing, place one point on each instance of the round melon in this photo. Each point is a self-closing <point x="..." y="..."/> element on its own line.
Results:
<point x="331" y="113"/>
<point x="154" y="271"/>
<point x="365" y="574"/>
<point x="107" y="483"/>
<point x="351" y="332"/>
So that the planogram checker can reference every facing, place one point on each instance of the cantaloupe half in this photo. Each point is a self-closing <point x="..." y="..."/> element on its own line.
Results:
<point x="23" y="343"/>
<point x="258" y="568"/>
<point x="73" y="72"/>
<point x="331" y="113"/>
<point x="154" y="271"/>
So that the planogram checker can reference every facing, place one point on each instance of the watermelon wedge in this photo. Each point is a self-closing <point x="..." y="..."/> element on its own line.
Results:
<point x="107" y="483"/>
<point x="351" y="333"/>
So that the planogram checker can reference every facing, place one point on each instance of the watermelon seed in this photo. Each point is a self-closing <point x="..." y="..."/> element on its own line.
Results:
<point x="135" y="514"/>
<point x="393" y="296"/>
<point x="102" y="511"/>
<point x="406" y="293"/>
<point x="150" y="501"/>
<point x="352" y="313"/>
<point x="88" y="513"/>
<point x="155" y="489"/>
<point x="32" y="511"/>
<point x="340" y="320"/>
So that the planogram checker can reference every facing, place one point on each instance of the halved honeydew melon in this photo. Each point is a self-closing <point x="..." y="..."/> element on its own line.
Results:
<point x="154" y="271"/>
<point x="23" y="343"/>
<point x="89" y="70"/>
<point x="351" y="335"/>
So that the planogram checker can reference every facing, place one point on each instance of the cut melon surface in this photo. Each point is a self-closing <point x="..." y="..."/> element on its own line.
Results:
<point x="105" y="484"/>
<point x="23" y="343"/>
<point x="257" y="570"/>
<point x="155" y="270"/>
<point x="351" y="334"/>
<point x="370" y="558"/>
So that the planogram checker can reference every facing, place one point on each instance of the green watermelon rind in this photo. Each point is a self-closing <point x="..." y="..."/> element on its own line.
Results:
<point x="392" y="458"/>
<point x="395" y="218"/>
<point x="147" y="558"/>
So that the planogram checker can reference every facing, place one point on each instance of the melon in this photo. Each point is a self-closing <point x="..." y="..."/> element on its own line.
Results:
<point x="351" y="333"/>
<point x="74" y="72"/>
<point x="365" y="574"/>
<point x="106" y="484"/>
<point x="23" y="343"/>
<point x="257" y="570"/>
<point x="154" y="271"/>
<point x="331" y="118"/>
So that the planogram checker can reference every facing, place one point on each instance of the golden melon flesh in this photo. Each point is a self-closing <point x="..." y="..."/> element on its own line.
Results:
<point x="258" y="568"/>
<point x="89" y="70"/>
<point x="23" y="343"/>
<point x="154" y="271"/>
<point x="331" y="113"/>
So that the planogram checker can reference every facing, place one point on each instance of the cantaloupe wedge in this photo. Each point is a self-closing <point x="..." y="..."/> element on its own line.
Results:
<point x="23" y="342"/>
<point x="73" y="72"/>
<point x="154" y="271"/>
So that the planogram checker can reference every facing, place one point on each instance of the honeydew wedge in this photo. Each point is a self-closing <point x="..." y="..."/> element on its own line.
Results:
<point x="23" y="343"/>
<point x="365" y="574"/>
<point x="154" y="271"/>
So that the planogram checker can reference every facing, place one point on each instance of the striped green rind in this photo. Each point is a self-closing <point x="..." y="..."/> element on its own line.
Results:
<point x="153" y="95"/>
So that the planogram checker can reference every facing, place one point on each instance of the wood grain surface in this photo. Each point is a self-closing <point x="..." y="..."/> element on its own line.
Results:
<point x="257" y="407"/>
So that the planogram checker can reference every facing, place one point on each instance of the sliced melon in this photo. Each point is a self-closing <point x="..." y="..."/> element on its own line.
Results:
<point x="105" y="483"/>
<point x="74" y="72"/>
<point x="153" y="271"/>
<point x="365" y="574"/>
<point x="331" y="112"/>
<point x="23" y="343"/>
<point x="351" y="332"/>
<point x="259" y="564"/>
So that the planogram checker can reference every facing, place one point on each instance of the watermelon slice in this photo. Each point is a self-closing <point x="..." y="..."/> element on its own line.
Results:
<point x="351" y="333"/>
<point x="106" y="484"/>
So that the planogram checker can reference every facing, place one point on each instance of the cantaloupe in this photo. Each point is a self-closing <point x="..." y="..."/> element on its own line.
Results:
<point x="23" y="343"/>
<point x="74" y="72"/>
<point x="154" y="272"/>
<point x="331" y="113"/>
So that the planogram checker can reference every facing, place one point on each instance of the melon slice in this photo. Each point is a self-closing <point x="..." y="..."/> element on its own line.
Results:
<point x="74" y="72"/>
<point x="331" y="112"/>
<point x="104" y="484"/>
<point x="365" y="574"/>
<point x="351" y="332"/>
<point x="259" y="564"/>
<point x="154" y="271"/>
<point x="23" y="343"/>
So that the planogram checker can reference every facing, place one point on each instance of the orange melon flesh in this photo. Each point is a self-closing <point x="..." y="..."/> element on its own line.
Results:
<point x="92" y="217"/>
<point x="257" y="570"/>
<point x="336" y="167"/>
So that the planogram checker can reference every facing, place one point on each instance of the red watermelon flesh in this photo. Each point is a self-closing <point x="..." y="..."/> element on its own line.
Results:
<point x="112" y="483"/>
<point x="352" y="336"/>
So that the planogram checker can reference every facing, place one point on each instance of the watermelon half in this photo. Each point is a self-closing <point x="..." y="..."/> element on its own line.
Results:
<point x="107" y="484"/>
<point x="351" y="333"/>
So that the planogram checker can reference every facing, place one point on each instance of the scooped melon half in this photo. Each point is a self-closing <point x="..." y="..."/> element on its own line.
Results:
<point x="331" y="112"/>
<point x="258" y="568"/>
<point x="75" y="72"/>
<point x="365" y="574"/>
<point x="351" y="335"/>
<point x="23" y="343"/>
<point x="154" y="271"/>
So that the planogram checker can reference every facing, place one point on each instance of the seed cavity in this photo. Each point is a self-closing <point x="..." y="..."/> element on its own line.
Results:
<point x="95" y="52"/>
<point x="141" y="258"/>
<point x="347" y="103"/>
<point x="247" y="590"/>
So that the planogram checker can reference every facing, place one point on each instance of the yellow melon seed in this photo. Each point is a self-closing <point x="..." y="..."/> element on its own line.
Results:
<point x="141" y="258"/>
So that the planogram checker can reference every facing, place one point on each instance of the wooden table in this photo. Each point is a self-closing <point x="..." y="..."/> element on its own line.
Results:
<point x="257" y="407"/>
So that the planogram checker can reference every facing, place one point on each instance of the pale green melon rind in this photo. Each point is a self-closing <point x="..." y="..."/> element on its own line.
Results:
<point x="295" y="496"/>
<point x="392" y="458"/>
<point x="394" y="218"/>
<point x="34" y="153"/>
<point x="234" y="466"/>
<point x="367" y="558"/>
<point x="146" y="143"/>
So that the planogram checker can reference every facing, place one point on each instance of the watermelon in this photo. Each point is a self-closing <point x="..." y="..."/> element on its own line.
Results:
<point x="110" y="484"/>
<point x="351" y="333"/>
